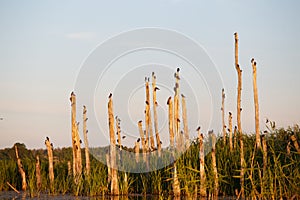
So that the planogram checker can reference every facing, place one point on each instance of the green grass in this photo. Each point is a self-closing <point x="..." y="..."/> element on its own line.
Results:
<point x="280" y="179"/>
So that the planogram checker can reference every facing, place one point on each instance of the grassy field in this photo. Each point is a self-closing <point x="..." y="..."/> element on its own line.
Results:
<point x="280" y="178"/>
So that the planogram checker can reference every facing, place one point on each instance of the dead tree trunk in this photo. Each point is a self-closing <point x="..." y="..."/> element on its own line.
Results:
<point x="137" y="150"/>
<point x="77" y="162"/>
<point x="50" y="158"/>
<point x="142" y="135"/>
<point x="171" y="123"/>
<point x="118" y="132"/>
<point x="108" y="169"/>
<point x="38" y="173"/>
<point x="235" y="137"/>
<point x="239" y="89"/>
<point x="243" y="166"/>
<point x="230" y="131"/>
<point x="176" y="111"/>
<point x="223" y="117"/>
<point x="202" y="165"/>
<point x="114" y="181"/>
<point x="154" y="89"/>
<point x="185" y="123"/>
<point x="257" y="132"/>
<point x="176" y="184"/>
<point x="86" y="143"/>
<point x="21" y="170"/>
<point x="214" y="165"/>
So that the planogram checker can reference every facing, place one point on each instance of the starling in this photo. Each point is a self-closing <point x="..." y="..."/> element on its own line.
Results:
<point x="124" y="137"/>
<point x="230" y="113"/>
<point x="47" y="138"/>
<point x="252" y="60"/>
<point x="156" y="88"/>
<point x="147" y="102"/>
<point x="178" y="69"/>
<point x="80" y="141"/>
<point x="198" y="129"/>
<point x="110" y="95"/>
<point x="138" y="140"/>
<point x="182" y="95"/>
<point x="140" y="121"/>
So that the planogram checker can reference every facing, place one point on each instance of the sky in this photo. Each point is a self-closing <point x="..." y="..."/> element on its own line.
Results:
<point x="46" y="44"/>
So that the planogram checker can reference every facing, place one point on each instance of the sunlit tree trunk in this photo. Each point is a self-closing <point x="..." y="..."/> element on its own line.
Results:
<point x="176" y="111"/>
<point x="38" y="173"/>
<point x="214" y="165"/>
<point x="86" y="143"/>
<point x="154" y="89"/>
<point x="202" y="165"/>
<point x="185" y="123"/>
<point x="114" y="174"/>
<point x="256" y="106"/>
<point x="223" y="117"/>
<point x="21" y="170"/>
<point x="50" y="159"/>
<point x="230" y="131"/>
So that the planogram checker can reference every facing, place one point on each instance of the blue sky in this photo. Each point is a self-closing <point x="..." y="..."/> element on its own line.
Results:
<point x="44" y="43"/>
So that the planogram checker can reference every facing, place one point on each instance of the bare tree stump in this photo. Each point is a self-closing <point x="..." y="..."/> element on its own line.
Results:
<point x="50" y="159"/>
<point x="21" y="170"/>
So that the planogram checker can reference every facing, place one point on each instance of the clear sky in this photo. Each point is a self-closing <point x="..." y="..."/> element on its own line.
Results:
<point x="44" y="43"/>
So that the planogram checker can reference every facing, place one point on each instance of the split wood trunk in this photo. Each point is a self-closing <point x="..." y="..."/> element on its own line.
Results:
<point x="142" y="135"/>
<point x="50" y="159"/>
<point x="243" y="166"/>
<point x="214" y="165"/>
<point x="171" y="123"/>
<point x="77" y="162"/>
<point x="86" y="142"/>
<point x="21" y="170"/>
<point x="239" y="89"/>
<point x="38" y="173"/>
<point x="256" y="106"/>
<point x="202" y="165"/>
<point x="230" y="131"/>
<point x="114" y="173"/>
<point x="185" y="122"/>
<point x="223" y="117"/>
<point x="176" y="111"/>
<point x="154" y="89"/>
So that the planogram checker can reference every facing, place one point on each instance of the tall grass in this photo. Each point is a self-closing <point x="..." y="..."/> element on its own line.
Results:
<point x="281" y="178"/>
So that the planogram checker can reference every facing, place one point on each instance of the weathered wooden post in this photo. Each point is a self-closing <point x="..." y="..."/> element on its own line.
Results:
<point x="223" y="117"/>
<point x="114" y="174"/>
<point x="50" y="159"/>
<point x="202" y="164"/>
<point x="86" y="143"/>
<point x="239" y="109"/>
<point x="185" y="122"/>
<point x="239" y="89"/>
<point x="256" y="106"/>
<point x="230" y="131"/>
<point x="154" y="89"/>
<point x="142" y="135"/>
<point x="176" y="110"/>
<point x="38" y="173"/>
<point x="214" y="165"/>
<point x="21" y="170"/>
<point x="176" y="184"/>
<point x="77" y="162"/>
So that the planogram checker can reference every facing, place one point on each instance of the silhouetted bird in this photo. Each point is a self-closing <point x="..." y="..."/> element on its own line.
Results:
<point x="228" y="130"/>
<point x="156" y="88"/>
<point x="241" y="109"/>
<point x="265" y="131"/>
<point x="117" y="141"/>
<point x="160" y="142"/>
<point x="198" y="129"/>
<point x="169" y="99"/>
<point x="80" y="141"/>
<point x="140" y="121"/>
<point x="230" y="113"/>
<point x="183" y="95"/>
<point x="110" y="95"/>
<point x="138" y="140"/>
<point x="178" y="120"/>
<point x="252" y="60"/>
<point x="178" y="69"/>
<point x="147" y="102"/>
<point x="267" y="121"/>
<point x="47" y="138"/>
<point x="124" y="137"/>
